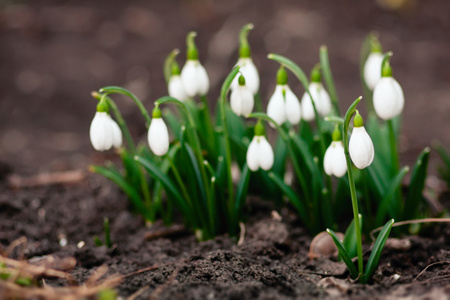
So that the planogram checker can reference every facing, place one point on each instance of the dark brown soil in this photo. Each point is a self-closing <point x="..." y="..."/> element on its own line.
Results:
<point x="272" y="263"/>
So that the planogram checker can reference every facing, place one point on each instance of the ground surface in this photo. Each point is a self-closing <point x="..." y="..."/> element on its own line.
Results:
<point x="54" y="53"/>
<point x="272" y="262"/>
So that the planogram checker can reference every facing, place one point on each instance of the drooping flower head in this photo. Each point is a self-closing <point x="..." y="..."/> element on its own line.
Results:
<point x="104" y="131"/>
<point x="320" y="97"/>
<point x="334" y="162"/>
<point x="360" y="145"/>
<point x="388" y="98"/>
<point x="284" y="105"/>
<point x="245" y="62"/>
<point x="241" y="98"/>
<point x="176" y="87"/>
<point x="259" y="153"/>
<point x="193" y="75"/>
<point x="372" y="66"/>
<point x="158" y="135"/>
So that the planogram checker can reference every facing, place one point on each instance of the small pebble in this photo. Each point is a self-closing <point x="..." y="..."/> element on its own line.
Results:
<point x="80" y="244"/>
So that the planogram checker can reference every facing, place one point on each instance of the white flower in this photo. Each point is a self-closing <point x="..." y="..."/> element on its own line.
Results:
<point x="104" y="132"/>
<point x="241" y="100"/>
<point x="321" y="100"/>
<point x="259" y="154"/>
<point x="195" y="79"/>
<point x="334" y="162"/>
<point x="158" y="137"/>
<point x="361" y="147"/>
<point x="176" y="88"/>
<point x="372" y="69"/>
<point x="249" y="71"/>
<point x="388" y="98"/>
<point x="284" y="107"/>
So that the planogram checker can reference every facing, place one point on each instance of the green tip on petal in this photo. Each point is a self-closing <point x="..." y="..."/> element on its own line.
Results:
<point x="241" y="80"/>
<point x="358" y="120"/>
<point x="192" y="52"/>
<point x="316" y="76"/>
<point x="282" y="77"/>
<point x="386" y="70"/>
<point x="337" y="136"/>
<point x="259" y="129"/>
<point x="156" y="114"/>
<point x="375" y="45"/>
<point x="102" y="106"/>
<point x="175" y="68"/>
<point x="244" y="46"/>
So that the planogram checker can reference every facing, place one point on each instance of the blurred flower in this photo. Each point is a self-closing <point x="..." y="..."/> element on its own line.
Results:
<point x="158" y="135"/>
<point x="284" y="105"/>
<point x="360" y="146"/>
<point x="241" y="99"/>
<point x="104" y="131"/>
<point x="176" y="88"/>
<point x="372" y="69"/>
<point x="334" y="162"/>
<point x="388" y="98"/>
<point x="259" y="153"/>
<point x="249" y="71"/>
<point x="320" y="96"/>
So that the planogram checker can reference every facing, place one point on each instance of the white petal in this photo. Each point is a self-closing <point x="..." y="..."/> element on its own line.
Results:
<point x="176" y="88"/>
<point x="247" y="100"/>
<point x="328" y="160"/>
<point x="276" y="108"/>
<point x="100" y="132"/>
<point x="361" y="148"/>
<point x="339" y="161"/>
<point x="372" y="69"/>
<point x="203" y="80"/>
<point x="293" y="108"/>
<point x="325" y="102"/>
<point x="189" y="78"/>
<point x="250" y="73"/>
<point x="236" y="101"/>
<point x="158" y="137"/>
<point x="388" y="99"/>
<point x="307" y="108"/>
<point x="265" y="154"/>
<point x="252" y="155"/>
<point x="116" y="133"/>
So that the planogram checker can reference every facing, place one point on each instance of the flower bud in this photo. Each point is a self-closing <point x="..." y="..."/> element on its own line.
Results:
<point x="360" y="145"/>
<point x="158" y="135"/>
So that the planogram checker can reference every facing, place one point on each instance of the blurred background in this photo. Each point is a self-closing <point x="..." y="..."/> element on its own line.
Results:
<point x="54" y="53"/>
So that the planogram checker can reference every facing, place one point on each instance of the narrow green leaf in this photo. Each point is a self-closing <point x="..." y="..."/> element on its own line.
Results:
<point x="173" y="121"/>
<point x="196" y="168"/>
<point x="168" y="64"/>
<point x="241" y="192"/>
<point x="128" y="189"/>
<point x="344" y="255"/>
<point x="292" y="197"/>
<point x="303" y="150"/>
<point x="166" y="182"/>
<point x="389" y="202"/>
<point x="372" y="263"/>
<point x="328" y="76"/>
<point x="416" y="185"/>
<point x="350" y="238"/>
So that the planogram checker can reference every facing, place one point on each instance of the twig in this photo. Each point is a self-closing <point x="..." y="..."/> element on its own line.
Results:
<point x="173" y="230"/>
<point x="74" y="176"/>
<point x="242" y="234"/>
<point x="418" y="221"/>
<point x="431" y="265"/>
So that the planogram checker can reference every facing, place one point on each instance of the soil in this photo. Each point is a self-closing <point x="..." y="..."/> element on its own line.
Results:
<point x="54" y="53"/>
<point x="271" y="263"/>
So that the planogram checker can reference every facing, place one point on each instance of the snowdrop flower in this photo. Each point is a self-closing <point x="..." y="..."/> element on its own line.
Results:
<point x="388" y="98"/>
<point x="194" y="77"/>
<point x="245" y="62"/>
<point x="334" y="162"/>
<point x="372" y="66"/>
<point x="360" y="145"/>
<point x="284" y="105"/>
<point x="259" y="153"/>
<point x="104" y="131"/>
<point x="176" y="87"/>
<point x="320" y="96"/>
<point x="241" y="99"/>
<point x="158" y="135"/>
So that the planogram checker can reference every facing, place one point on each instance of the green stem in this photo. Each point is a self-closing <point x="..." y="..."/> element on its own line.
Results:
<point x="207" y="121"/>
<point x="118" y="90"/>
<point x="393" y="145"/>
<point x="258" y="102"/>
<point x="348" y="116"/>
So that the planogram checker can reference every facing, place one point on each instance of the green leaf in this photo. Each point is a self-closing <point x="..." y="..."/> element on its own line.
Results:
<point x="328" y="76"/>
<point x="241" y="192"/>
<point x="166" y="182"/>
<point x="350" y="238"/>
<point x="416" y="185"/>
<point x="292" y="197"/>
<point x="344" y="255"/>
<point x="372" y="263"/>
<point x="173" y="122"/>
<point x="128" y="189"/>
<point x="198" y="176"/>
<point x="389" y="202"/>
<point x="168" y="64"/>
